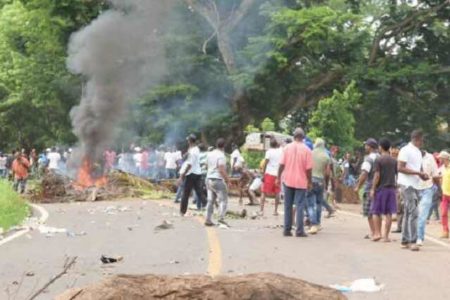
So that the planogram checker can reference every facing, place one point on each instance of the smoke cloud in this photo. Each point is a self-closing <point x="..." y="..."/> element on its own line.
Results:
<point x="120" y="56"/>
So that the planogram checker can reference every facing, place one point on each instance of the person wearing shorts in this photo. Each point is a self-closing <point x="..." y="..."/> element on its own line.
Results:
<point x="366" y="177"/>
<point x="271" y="166"/>
<point x="383" y="191"/>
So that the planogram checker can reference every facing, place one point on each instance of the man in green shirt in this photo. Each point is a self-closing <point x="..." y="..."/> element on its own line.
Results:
<point x="320" y="176"/>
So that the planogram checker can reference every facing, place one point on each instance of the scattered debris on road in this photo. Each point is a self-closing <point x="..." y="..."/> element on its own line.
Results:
<point x="367" y="285"/>
<point x="110" y="259"/>
<point x="164" y="226"/>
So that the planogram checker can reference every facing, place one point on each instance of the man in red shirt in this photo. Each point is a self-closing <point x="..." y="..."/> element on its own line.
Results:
<point x="296" y="168"/>
<point x="20" y="168"/>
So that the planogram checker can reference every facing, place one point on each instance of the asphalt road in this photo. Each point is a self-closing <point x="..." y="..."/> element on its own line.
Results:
<point x="337" y="255"/>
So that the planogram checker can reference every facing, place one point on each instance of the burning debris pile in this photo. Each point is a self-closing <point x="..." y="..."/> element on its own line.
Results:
<point x="116" y="185"/>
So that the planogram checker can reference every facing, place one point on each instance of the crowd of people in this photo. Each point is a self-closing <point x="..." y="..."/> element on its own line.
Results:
<point x="402" y="180"/>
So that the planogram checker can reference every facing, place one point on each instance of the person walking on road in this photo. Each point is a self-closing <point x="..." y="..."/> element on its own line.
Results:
<point x="296" y="170"/>
<point x="193" y="176"/>
<point x="444" y="157"/>
<point x="217" y="182"/>
<point x="427" y="189"/>
<point x="409" y="178"/>
<point x="320" y="175"/>
<point x="271" y="165"/>
<point x="383" y="191"/>
<point x="366" y="177"/>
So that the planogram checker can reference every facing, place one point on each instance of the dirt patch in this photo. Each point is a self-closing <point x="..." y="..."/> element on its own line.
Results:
<point x="263" y="286"/>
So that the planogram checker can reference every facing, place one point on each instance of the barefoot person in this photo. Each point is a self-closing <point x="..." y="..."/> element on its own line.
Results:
<point x="409" y="176"/>
<point x="383" y="191"/>
<point x="296" y="170"/>
<point x="366" y="177"/>
<point x="270" y="167"/>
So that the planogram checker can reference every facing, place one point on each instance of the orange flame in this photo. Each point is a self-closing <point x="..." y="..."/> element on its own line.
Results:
<point x="85" y="178"/>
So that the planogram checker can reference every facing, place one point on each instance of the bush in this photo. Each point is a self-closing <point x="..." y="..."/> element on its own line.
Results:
<point x="253" y="158"/>
<point x="13" y="209"/>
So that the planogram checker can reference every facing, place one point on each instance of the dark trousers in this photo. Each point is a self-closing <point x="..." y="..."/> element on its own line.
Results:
<point x="193" y="181"/>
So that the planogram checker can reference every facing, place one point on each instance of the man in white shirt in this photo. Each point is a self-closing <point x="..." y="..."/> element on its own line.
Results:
<point x="270" y="167"/>
<point x="236" y="162"/>
<point x="53" y="160"/>
<point x="192" y="176"/>
<point x="171" y="159"/>
<point x="427" y="188"/>
<point x="410" y="175"/>
<point x="217" y="182"/>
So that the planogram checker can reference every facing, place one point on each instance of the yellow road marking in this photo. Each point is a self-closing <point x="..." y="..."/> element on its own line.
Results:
<point x="215" y="249"/>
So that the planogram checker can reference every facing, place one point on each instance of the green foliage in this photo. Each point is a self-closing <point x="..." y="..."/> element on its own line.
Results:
<point x="251" y="129"/>
<point x="13" y="209"/>
<point x="267" y="125"/>
<point x="289" y="55"/>
<point x="334" y="119"/>
<point x="252" y="158"/>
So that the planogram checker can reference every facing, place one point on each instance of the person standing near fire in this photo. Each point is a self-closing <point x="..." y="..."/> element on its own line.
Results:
<point x="20" y="167"/>
<point x="191" y="176"/>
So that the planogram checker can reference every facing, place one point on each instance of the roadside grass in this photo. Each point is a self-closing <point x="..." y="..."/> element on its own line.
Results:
<point x="13" y="209"/>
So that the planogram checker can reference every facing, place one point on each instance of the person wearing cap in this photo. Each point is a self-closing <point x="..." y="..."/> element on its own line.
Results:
<point x="410" y="175"/>
<point x="383" y="191"/>
<point x="296" y="171"/>
<point x="320" y="175"/>
<point x="444" y="157"/>
<point x="366" y="179"/>
<point x="191" y="176"/>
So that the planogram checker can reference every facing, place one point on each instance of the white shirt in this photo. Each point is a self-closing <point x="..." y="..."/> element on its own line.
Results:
<point x="412" y="156"/>
<point x="171" y="160"/>
<point x="54" y="158"/>
<point x="429" y="166"/>
<point x="3" y="163"/>
<point x="193" y="160"/>
<point x="215" y="159"/>
<point x="239" y="159"/>
<point x="273" y="156"/>
<point x="256" y="184"/>
<point x="367" y="166"/>
<point x="137" y="159"/>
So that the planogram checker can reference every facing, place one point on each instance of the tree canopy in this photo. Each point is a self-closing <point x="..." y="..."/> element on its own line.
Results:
<point x="235" y="63"/>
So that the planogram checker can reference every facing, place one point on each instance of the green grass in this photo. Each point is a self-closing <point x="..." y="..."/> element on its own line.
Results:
<point x="13" y="209"/>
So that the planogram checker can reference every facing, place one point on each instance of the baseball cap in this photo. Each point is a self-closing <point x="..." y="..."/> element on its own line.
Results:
<point x="371" y="142"/>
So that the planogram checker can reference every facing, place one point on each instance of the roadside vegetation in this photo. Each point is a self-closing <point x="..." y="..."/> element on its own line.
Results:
<point x="13" y="209"/>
